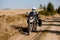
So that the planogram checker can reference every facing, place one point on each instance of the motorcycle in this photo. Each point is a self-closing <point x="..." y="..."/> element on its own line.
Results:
<point x="32" y="24"/>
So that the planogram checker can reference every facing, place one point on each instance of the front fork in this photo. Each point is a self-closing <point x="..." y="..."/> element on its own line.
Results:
<point x="34" y="26"/>
<point x="30" y="26"/>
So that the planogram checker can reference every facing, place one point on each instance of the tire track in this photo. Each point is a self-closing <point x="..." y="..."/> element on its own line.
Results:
<point x="37" y="36"/>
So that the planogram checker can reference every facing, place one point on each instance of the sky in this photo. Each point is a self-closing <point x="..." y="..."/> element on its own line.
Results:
<point x="21" y="4"/>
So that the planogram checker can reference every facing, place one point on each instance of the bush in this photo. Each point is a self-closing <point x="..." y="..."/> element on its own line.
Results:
<point x="50" y="7"/>
<point x="48" y="11"/>
<point x="58" y="10"/>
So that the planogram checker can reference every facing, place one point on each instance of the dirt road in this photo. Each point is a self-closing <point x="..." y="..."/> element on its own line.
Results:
<point x="20" y="36"/>
<point x="51" y="33"/>
<point x="48" y="31"/>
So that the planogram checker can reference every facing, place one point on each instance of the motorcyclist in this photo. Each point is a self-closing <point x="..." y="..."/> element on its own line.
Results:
<point x="33" y="13"/>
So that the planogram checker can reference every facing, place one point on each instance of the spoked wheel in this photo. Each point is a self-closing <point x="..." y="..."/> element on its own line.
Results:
<point x="30" y="25"/>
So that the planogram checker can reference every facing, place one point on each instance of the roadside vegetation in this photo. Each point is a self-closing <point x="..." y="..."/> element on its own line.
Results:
<point x="49" y="9"/>
<point x="58" y="10"/>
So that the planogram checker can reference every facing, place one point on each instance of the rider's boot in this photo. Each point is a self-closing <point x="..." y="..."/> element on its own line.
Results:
<point x="29" y="33"/>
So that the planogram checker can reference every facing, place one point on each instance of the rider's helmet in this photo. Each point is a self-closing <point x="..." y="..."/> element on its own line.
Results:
<point x="34" y="8"/>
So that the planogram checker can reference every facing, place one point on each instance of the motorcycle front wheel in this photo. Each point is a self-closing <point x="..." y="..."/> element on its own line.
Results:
<point x="30" y="25"/>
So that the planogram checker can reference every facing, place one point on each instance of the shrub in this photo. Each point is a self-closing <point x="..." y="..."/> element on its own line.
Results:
<point x="58" y="10"/>
<point x="50" y="7"/>
<point x="48" y="11"/>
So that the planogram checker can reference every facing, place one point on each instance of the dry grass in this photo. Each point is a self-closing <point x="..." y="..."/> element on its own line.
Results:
<point x="10" y="18"/>
<point x="6" y="22"/>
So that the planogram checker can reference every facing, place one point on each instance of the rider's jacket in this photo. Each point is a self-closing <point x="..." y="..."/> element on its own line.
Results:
<point x="33" y="14"/>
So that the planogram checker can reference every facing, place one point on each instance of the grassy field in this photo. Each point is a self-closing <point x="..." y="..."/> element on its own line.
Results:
<point x="9" y="22"/>
<point x="9" y="19"/>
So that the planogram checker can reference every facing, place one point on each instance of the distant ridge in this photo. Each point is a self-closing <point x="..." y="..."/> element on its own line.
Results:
<point x="16" y="11"/>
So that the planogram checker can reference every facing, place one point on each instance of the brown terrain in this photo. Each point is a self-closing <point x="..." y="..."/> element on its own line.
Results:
<point x="13" y="26"/>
